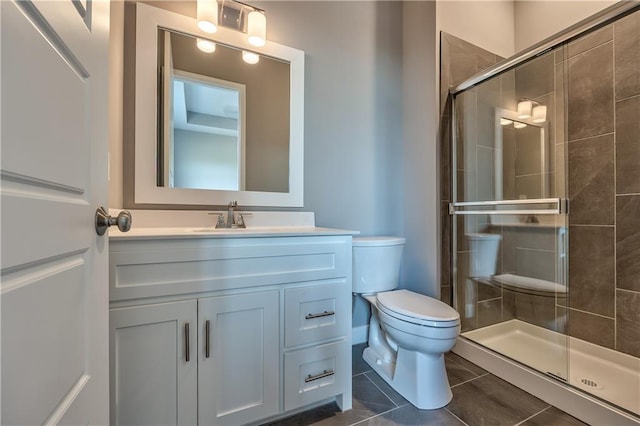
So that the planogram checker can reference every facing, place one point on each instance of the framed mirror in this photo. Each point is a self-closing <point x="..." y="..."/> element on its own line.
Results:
<point x="210" y="127"/>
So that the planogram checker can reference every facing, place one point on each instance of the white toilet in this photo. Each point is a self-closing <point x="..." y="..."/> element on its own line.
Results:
<point x="409" y="332"/>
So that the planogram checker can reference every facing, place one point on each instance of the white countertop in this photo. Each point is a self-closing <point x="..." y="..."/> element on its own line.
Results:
<point x="252" y="232"/>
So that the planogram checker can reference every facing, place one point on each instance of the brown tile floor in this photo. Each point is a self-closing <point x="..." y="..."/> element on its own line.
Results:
<point x="479" y="398"/>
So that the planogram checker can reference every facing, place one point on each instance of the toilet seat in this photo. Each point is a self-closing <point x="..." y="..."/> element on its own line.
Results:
<point x="417" y="309"/>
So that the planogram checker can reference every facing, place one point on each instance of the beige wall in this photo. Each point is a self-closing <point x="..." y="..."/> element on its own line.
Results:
<point x="537" y="20"/>
<point x="487" y="24"/>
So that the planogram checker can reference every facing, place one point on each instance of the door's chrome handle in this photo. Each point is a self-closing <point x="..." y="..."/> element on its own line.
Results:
<point x="206" y="339"/>
<point x="186" y="342"/>
<point x="103" y="221"/>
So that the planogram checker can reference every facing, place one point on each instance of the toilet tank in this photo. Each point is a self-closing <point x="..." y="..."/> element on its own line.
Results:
<point x="483" y="258"/>
<point x="376" y="263"/>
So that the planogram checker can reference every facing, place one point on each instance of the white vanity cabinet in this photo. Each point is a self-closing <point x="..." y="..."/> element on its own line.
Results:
<point x="153" y="365"/>
<point x="265" y="322"/>
<point x="238" y="359"/>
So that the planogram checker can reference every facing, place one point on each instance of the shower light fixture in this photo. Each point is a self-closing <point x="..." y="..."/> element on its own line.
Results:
<point x="207" y="15"/>
<point x="539" y="114"/>
<point x="524" y="109"/>
<point x="519" y="125"/>
<point x="250" y="57"/>
<point x="505" y="121"/>
<point x="205" y="45"/>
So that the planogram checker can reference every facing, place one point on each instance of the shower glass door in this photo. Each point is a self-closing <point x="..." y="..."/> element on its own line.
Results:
<point x="510" y="227"/>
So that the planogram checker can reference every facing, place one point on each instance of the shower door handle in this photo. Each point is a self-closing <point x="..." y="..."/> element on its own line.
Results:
<point x="559" y="206"/>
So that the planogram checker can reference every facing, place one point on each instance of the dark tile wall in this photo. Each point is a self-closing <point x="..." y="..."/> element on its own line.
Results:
<point x="603" y="135"/>
<point x="594" y="95"/>
<point x="459" y="60"/>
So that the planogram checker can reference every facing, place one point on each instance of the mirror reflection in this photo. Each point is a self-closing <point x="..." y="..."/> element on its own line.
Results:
<point x="526" y="159"/>
<point x="224" y="123"/>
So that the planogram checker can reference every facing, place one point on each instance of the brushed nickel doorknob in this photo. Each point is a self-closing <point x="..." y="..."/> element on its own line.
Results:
<point x="103" y="221"/>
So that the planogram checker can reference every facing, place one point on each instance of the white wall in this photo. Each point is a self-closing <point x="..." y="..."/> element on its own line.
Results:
<point x="487" y="24"/>
<point x="537" y="20"/>
<point x="420" y="162"/>
<point x="353" y="111"/>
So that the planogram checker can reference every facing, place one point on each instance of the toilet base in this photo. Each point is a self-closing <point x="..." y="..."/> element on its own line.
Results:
<point x="420" y="378"/>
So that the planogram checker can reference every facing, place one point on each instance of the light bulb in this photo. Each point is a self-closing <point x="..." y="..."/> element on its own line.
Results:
<point x="505" y="121"/>
<point x="524" y="109"/>
<point x="257" y="28"/>
<point x="206" y="46"/>
<point x="207" y="15"/>
<point x="250" y="57"/>
<point x="519" y="125"/>
<point x="539" y="114"/>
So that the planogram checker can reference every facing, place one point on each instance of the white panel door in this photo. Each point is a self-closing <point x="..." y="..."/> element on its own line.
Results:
<point x="54" y="291"/>
<point x="154" y="368"/>
<point x="238" y="359"/>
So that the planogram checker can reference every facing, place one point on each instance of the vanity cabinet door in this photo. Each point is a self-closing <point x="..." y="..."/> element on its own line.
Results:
<point x="154" y="364"/>
<point x="238" y="360"/>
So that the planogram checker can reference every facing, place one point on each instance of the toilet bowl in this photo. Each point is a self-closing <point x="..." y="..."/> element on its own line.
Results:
<point x="408" y="332"/>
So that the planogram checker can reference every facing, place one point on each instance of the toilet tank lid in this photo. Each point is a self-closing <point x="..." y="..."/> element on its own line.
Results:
<point x="481" y="236"/>
<point x="377" y="241"/>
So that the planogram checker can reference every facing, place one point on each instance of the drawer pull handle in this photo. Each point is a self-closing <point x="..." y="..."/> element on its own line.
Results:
<point x="186" y="342"/>
<point x="323" y="314"/>
<point x="206" y="345"/>
<point x="325" y="373"/>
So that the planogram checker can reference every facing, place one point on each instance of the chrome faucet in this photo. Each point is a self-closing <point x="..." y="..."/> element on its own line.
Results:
<point x="231" y="220"/>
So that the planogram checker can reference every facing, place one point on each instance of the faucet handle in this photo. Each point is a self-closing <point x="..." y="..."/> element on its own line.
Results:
<point x="220" y="220"/>
<point x="241" y="216"/>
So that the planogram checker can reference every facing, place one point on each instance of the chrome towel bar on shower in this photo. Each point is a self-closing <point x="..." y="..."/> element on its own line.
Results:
<point x="557" y="206"/>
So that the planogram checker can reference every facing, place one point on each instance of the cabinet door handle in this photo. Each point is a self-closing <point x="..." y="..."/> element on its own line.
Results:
<point x="320" y="315"/>
<point x="186" y="342"/>
<point x="206" y="339"/>
<point x="325" y="373"/>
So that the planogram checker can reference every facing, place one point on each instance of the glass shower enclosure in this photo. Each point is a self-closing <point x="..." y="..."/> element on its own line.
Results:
<point x="509" y="205"/>
<point x="549" y="283"/>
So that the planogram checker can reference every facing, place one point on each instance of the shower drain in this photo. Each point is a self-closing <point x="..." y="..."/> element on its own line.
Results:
<point x="590" y="383"/>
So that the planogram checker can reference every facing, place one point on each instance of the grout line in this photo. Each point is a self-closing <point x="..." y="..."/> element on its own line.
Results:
<point x="383" y="392"/>
<point x="628" y="97"/>
<point x="590" y="137"/>
<point x="470" y="380"/>
<point x="454" y="415"/>
<point x="462" y="366"/>
<point x="590" y="313"/>
<point x="360" y="374"/>
<point x="591" y="226"/>
<point x="530" y="417"/>
<point x="373" y="417"/>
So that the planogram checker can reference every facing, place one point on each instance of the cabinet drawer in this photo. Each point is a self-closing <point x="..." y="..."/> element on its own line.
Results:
<point x="316" y="313"/>
<point x="314" y="374"/>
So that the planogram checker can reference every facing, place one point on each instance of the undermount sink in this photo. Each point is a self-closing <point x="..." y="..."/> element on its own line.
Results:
<point x="255" y="229"/>
<point x="213" y="229"/>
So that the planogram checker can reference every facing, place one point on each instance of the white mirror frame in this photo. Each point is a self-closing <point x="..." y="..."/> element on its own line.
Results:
<point x="148" y="19"/>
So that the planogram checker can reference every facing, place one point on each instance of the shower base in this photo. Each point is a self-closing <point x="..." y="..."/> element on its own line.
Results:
<point x="604" y="373"/>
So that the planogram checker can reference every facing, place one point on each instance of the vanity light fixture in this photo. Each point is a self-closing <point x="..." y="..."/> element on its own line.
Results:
<point x="505" y="121"/>
<point x="257" y="28"/>
<point x="519" y="125"/>
<point x="205" y="45"/>
<point x="524" y="109"/>
<point x="250" y="57"/>
<point x="207" y="15"/>
<point x="539" y="114"/>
